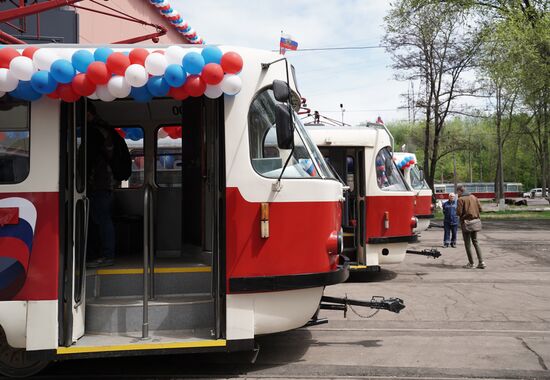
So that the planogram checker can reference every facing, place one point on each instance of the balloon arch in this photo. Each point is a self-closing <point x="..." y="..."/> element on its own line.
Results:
<point x="69" y="74"/>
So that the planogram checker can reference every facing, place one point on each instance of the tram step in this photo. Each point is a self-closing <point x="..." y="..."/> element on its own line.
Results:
<point x="129" y="282"/>
<point x="113" y="315"/>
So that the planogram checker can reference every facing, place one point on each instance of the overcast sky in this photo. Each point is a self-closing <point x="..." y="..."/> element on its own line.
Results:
<point x="361" y="80"/>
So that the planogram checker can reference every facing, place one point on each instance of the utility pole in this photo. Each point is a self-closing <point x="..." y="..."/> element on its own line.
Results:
<point x="343" y="110"/>
<point x="454" y="170"/>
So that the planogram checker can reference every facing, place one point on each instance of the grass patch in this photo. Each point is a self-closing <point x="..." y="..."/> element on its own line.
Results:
<point x="508" y="214"/>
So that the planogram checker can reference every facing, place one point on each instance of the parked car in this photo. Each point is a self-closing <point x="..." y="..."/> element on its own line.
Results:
<point x="535" y="193"/>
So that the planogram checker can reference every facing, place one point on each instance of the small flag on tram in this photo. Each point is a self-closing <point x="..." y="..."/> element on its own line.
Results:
<point x="379" y="121"/>
<point x="287" y="43"/>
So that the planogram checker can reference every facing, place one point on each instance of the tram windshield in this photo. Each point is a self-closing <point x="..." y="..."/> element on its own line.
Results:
<point x="417" y="183"/>
<point x="388" y="177"/>
<point x="267" y="158"/>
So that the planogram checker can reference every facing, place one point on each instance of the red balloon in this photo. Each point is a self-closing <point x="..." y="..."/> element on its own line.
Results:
<point x="53" y="95"/>
<point x="232" y="63"/>
<point x="178" y="93"/>
<point x="82" y="85"/>
<point x="194" y="86"/>
<point x="66" y="93"/>
<point x="29" y="51"/>
<point x="6" y="55"/>
<point x="117" y="63"/>
<point x="173" y="132"/>
<point x="98" y="73"/>
<point x="212" y="73"/>
<point x="138" y="56"/>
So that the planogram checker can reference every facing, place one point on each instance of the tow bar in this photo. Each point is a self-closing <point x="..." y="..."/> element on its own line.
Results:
<point x="433" y="253"/>
<point x="394" y="305"/>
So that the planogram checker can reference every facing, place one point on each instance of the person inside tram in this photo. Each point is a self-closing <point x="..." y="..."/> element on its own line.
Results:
<point x="100" y="184"/>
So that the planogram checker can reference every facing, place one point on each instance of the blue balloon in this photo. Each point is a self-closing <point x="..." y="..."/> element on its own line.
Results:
<point x="101" y="54"/>
<point x="62" y="71"/>
<point x="43" y="82"/>
<point x="134" y="134"/>
<point x="193" y="63"/>
<point x="212" y="54"/>
<point x="25" y="91"/>
<point x="140" y="94"/>
<point x="175" y="76"/>
<point x="81" y="59"/>
<point x="158" y="87"/>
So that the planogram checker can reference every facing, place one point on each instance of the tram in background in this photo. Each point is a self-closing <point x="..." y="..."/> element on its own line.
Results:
<point x="423" y="204"/>
<point x="236" y="242"/>
<point x="482" y="190"/>
<point x="378" y="216"/>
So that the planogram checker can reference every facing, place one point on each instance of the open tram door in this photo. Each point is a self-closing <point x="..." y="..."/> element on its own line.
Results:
<point x="74" y="217"/>
<point x="164" y="288"/>
<point x="349" y="164"/>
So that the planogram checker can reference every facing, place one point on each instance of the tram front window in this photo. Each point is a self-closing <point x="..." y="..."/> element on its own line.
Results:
<point x="267" y="158"/>
<point x="388" y="176"/>
<point x="417" y="182"/>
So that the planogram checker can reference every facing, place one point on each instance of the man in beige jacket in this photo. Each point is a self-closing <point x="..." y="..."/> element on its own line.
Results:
<point x="468" y="208"/>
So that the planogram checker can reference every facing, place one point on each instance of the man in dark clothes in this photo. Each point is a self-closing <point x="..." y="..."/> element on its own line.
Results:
<point x="450" y="223"/>
<point x="100" y="191"/>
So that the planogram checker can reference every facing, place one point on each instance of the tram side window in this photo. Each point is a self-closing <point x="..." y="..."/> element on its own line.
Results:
<point x="169" y="156"/>
<point x="14" y="141"/>
<point x="388" y="176"/>
<point x="134" y="139"/>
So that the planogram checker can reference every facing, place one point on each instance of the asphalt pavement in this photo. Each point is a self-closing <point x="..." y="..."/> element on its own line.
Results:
<point x="458" y="323"/>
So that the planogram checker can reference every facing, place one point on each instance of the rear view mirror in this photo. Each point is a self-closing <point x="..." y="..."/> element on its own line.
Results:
<point x="283" y="125"/>
<point x="281" y="91"/>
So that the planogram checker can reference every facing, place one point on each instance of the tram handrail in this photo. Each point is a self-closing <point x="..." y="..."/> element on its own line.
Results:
<point x="146" y="227"/>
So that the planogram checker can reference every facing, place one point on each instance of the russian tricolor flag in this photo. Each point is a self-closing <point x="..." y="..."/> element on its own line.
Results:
<point x="287" y="43"/>
<point x="17" y="222"/>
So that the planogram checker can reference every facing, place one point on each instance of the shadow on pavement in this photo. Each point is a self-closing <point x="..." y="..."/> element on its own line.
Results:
<point x="382" y="275"/>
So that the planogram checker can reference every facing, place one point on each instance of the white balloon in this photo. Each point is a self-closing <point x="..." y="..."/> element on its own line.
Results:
<point x="43" y="58"/>
<point x="213" y="91"/>
<point x="118" y="87"/>
<point x="174" y="55"/>
<point x="231" y="84"/>
<point x="93" y="96"/>
<point x="7" y="81"/>
<point x="103" y="93"/>
<point x="136" y="75"/>
<point x="155" y="64"/>
<point x="66" y="54"/>
<point x="22" y="68"/>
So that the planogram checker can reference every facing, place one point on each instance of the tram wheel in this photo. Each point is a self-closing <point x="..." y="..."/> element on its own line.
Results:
<point x="14" y="361"/>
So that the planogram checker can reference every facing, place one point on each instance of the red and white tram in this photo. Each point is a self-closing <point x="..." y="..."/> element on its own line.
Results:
<point x="227" y="241"/>
<point x="378" y="217"/>
<point x="423" y="204"/>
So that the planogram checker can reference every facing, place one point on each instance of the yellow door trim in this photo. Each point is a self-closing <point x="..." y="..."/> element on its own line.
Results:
<point x="103" y="272"/>
<point x="143" y="346"/>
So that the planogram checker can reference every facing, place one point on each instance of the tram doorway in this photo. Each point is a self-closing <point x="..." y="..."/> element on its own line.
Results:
<point x="165" y="280"/>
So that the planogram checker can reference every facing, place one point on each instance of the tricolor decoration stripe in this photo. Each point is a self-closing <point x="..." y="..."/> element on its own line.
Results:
<point x="69" y="74"/>
<point x="405" y="162"/>
<point x="169" y="13"/>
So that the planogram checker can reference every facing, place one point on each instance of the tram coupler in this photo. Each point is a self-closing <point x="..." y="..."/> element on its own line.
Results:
<point x="394" y="305"/>
<point x="432" y="252"/>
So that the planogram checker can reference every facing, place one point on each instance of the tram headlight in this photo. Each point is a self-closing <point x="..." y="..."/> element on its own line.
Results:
<point x="414" y="222"/>
<point x="335" y="243"/>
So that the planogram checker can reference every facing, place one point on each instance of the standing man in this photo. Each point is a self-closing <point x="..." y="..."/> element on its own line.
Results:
<point x="450" y="222"/>
<point x="100" y="183"/>
<point x="468" y="209"/>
